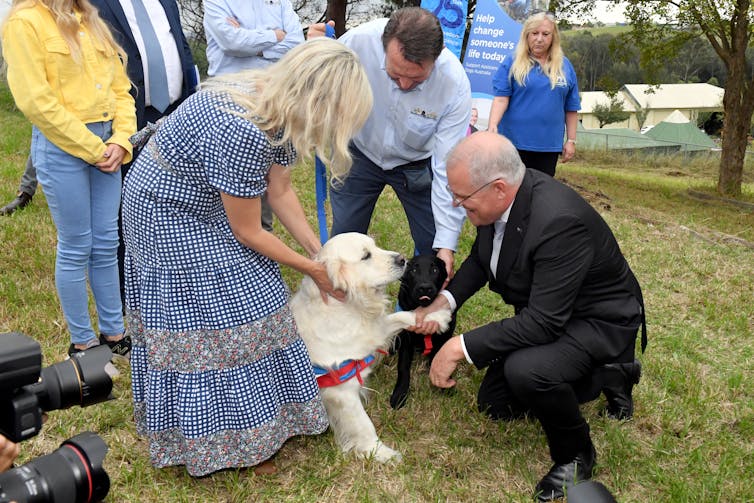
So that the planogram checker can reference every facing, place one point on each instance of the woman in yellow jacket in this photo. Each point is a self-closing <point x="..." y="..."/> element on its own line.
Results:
<point x="67" y="76"/>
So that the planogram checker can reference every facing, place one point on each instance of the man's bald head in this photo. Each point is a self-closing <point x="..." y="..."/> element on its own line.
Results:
<point x="487" y="156"/>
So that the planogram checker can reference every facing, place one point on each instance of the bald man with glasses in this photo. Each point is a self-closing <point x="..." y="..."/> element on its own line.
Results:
<point x="578" y="305"/>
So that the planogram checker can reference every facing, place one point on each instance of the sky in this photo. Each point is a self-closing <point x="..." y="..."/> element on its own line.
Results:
<point x="601" y="12"/>
<point x="607" y="14"/>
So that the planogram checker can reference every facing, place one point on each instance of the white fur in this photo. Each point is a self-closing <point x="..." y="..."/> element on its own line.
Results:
<point x="351" y="330"/>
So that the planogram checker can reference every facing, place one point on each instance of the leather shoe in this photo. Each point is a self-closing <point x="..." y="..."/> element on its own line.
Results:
<point x="554" y="485"/>
<point x="21" y="201"/>
<point x="619" y="381"/>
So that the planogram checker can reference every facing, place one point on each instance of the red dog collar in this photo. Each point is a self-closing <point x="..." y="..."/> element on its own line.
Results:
<point x="344" y="372"/>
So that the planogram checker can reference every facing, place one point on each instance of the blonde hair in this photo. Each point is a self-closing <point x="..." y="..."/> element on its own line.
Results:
<point x="317" y="95"/>
<point x="523" y="62"/>
<point x="68" y="24"/>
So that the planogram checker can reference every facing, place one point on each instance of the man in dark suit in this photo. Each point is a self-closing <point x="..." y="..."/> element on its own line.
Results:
<point x="183" y="82"/>
<point x="182" y="76"/>
<point x="577" y="304"/>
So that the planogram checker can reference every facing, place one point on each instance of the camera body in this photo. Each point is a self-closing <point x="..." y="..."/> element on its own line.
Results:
<point x="73" y="472"/>
<point x="27" y="389"/>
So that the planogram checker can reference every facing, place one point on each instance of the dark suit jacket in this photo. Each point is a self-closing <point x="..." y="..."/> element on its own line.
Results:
<point x="112" y="12"/>
<point x="562" y="270"/>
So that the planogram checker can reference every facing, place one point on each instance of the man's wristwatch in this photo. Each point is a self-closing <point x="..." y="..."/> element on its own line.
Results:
<point x="571" y="140"/>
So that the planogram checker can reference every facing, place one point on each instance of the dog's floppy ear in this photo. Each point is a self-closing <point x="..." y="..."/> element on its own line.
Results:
<point x="338" y="271"/>
<point x="440" y="264"/>
<point x="335" y="269"/>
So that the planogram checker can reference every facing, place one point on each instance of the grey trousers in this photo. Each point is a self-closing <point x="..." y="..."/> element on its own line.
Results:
<point x="29" y="179"/>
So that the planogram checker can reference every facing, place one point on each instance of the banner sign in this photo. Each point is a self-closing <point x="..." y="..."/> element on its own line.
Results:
<point x="452" y="16"/>
<point x="493" y="37"/>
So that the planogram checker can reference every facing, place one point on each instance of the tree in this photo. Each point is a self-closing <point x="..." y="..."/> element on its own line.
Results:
<point x="661" y="27"/>
<point x="641" y="116"/>
<point x="590" y="56"/>
<point x="611" y="112"/>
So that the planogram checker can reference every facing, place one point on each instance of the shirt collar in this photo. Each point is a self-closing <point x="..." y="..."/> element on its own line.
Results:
<point x="503" y="220"/>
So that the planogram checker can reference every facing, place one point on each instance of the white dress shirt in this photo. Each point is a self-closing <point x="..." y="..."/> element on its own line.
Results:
<point x="407" y="126"/>
<point x="170" y="54"/>
<point x="254" y="44"/>
<point x="497" y="242"/>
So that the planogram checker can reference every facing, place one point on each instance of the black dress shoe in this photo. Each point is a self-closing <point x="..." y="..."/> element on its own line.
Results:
<point x="619" y="381"/>
<point x="21" y="200"/>
<point x="555" y="484"/>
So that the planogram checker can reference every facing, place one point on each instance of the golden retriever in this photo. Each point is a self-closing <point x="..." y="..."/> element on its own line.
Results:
<point x="343" y="337"/>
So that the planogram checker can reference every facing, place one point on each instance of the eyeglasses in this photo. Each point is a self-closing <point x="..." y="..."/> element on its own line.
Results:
<point x="458" y="201"/>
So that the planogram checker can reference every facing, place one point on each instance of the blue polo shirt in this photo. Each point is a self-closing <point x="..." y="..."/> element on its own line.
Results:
<point x="535" y="118"/>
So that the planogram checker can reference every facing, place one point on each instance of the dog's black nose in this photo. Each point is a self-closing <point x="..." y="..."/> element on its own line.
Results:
<point x="400" y="261"/>
<point x="426" y="290"/>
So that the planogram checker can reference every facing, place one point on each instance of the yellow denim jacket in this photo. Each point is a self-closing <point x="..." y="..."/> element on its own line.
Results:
<point x="60" y="96"/>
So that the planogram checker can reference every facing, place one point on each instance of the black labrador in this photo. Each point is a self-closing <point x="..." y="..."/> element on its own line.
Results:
<point x="420" y="284"/>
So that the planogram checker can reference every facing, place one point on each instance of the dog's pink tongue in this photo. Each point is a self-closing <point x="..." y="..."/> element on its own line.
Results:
<point x="423" y="298"/>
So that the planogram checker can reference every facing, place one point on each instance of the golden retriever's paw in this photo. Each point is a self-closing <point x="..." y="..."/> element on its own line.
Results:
<point x="400" y="321"/>
<point x="443" y="317"/>
<point x="385" y="454"/>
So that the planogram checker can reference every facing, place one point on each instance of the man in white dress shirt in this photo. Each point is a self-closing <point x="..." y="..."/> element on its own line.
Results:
<point x="247" y="34"/>
<point x="422" y="106"/>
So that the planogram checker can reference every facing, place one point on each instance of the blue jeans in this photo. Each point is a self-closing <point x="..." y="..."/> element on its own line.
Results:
<point x="353" y="203"/>
<point x="84" y="204"/>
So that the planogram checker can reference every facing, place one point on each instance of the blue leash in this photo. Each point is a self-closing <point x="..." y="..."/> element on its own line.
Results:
<point x="320" y="176"/>
<point x="320" y="183"/>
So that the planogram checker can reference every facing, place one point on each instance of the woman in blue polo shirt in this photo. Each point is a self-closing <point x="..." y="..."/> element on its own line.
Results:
<point x="537" y="97"/>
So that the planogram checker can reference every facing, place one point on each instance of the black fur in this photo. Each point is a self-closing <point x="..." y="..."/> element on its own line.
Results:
<point x="420" y="284"/>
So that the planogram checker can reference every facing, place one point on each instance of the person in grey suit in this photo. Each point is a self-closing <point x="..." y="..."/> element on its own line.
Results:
<point x="578" y="306"/>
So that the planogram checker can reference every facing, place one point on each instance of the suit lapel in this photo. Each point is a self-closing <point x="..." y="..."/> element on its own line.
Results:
<point x="117" y="13"/>
<point x="515" y="229"/>
<point x="486" y="233"/>
<point x="175" y="30"/>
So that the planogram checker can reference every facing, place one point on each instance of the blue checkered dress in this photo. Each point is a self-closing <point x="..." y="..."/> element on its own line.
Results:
<point x="220" y="375"/>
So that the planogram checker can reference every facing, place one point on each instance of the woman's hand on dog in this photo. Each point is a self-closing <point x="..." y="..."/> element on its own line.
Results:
<point x="318" y="273"/>
<point x="445" y="363"/>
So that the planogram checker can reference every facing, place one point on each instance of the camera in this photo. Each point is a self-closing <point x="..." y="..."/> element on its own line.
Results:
<point x="73" y="472"/>
<point x="27" y="390"/>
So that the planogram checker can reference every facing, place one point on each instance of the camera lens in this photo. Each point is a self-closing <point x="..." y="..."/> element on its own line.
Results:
<point x="80" y="380"/>
<point x="72" y="473"/>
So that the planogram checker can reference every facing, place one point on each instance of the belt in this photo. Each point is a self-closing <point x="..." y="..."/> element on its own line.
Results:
<point x="420" y="164"/>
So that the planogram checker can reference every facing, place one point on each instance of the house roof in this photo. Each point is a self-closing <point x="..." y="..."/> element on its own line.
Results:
<point x="616" y="139"/>
<point x="676" y="96"/>
<point x="677" y="129"/>
<point x="591" y="98"/>
<point x="676" y="117"/>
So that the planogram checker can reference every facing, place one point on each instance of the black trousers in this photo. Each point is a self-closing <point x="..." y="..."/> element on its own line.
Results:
<point x="548" y="382"/>
<point x="541" y="161"/>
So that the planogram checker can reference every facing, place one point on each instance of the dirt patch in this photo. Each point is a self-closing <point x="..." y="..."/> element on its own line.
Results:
<point x="598" y="199"/>
<point x="704" y="196"/>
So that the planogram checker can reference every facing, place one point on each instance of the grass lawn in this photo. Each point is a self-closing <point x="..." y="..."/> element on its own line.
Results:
<point x="692" y="435"/>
